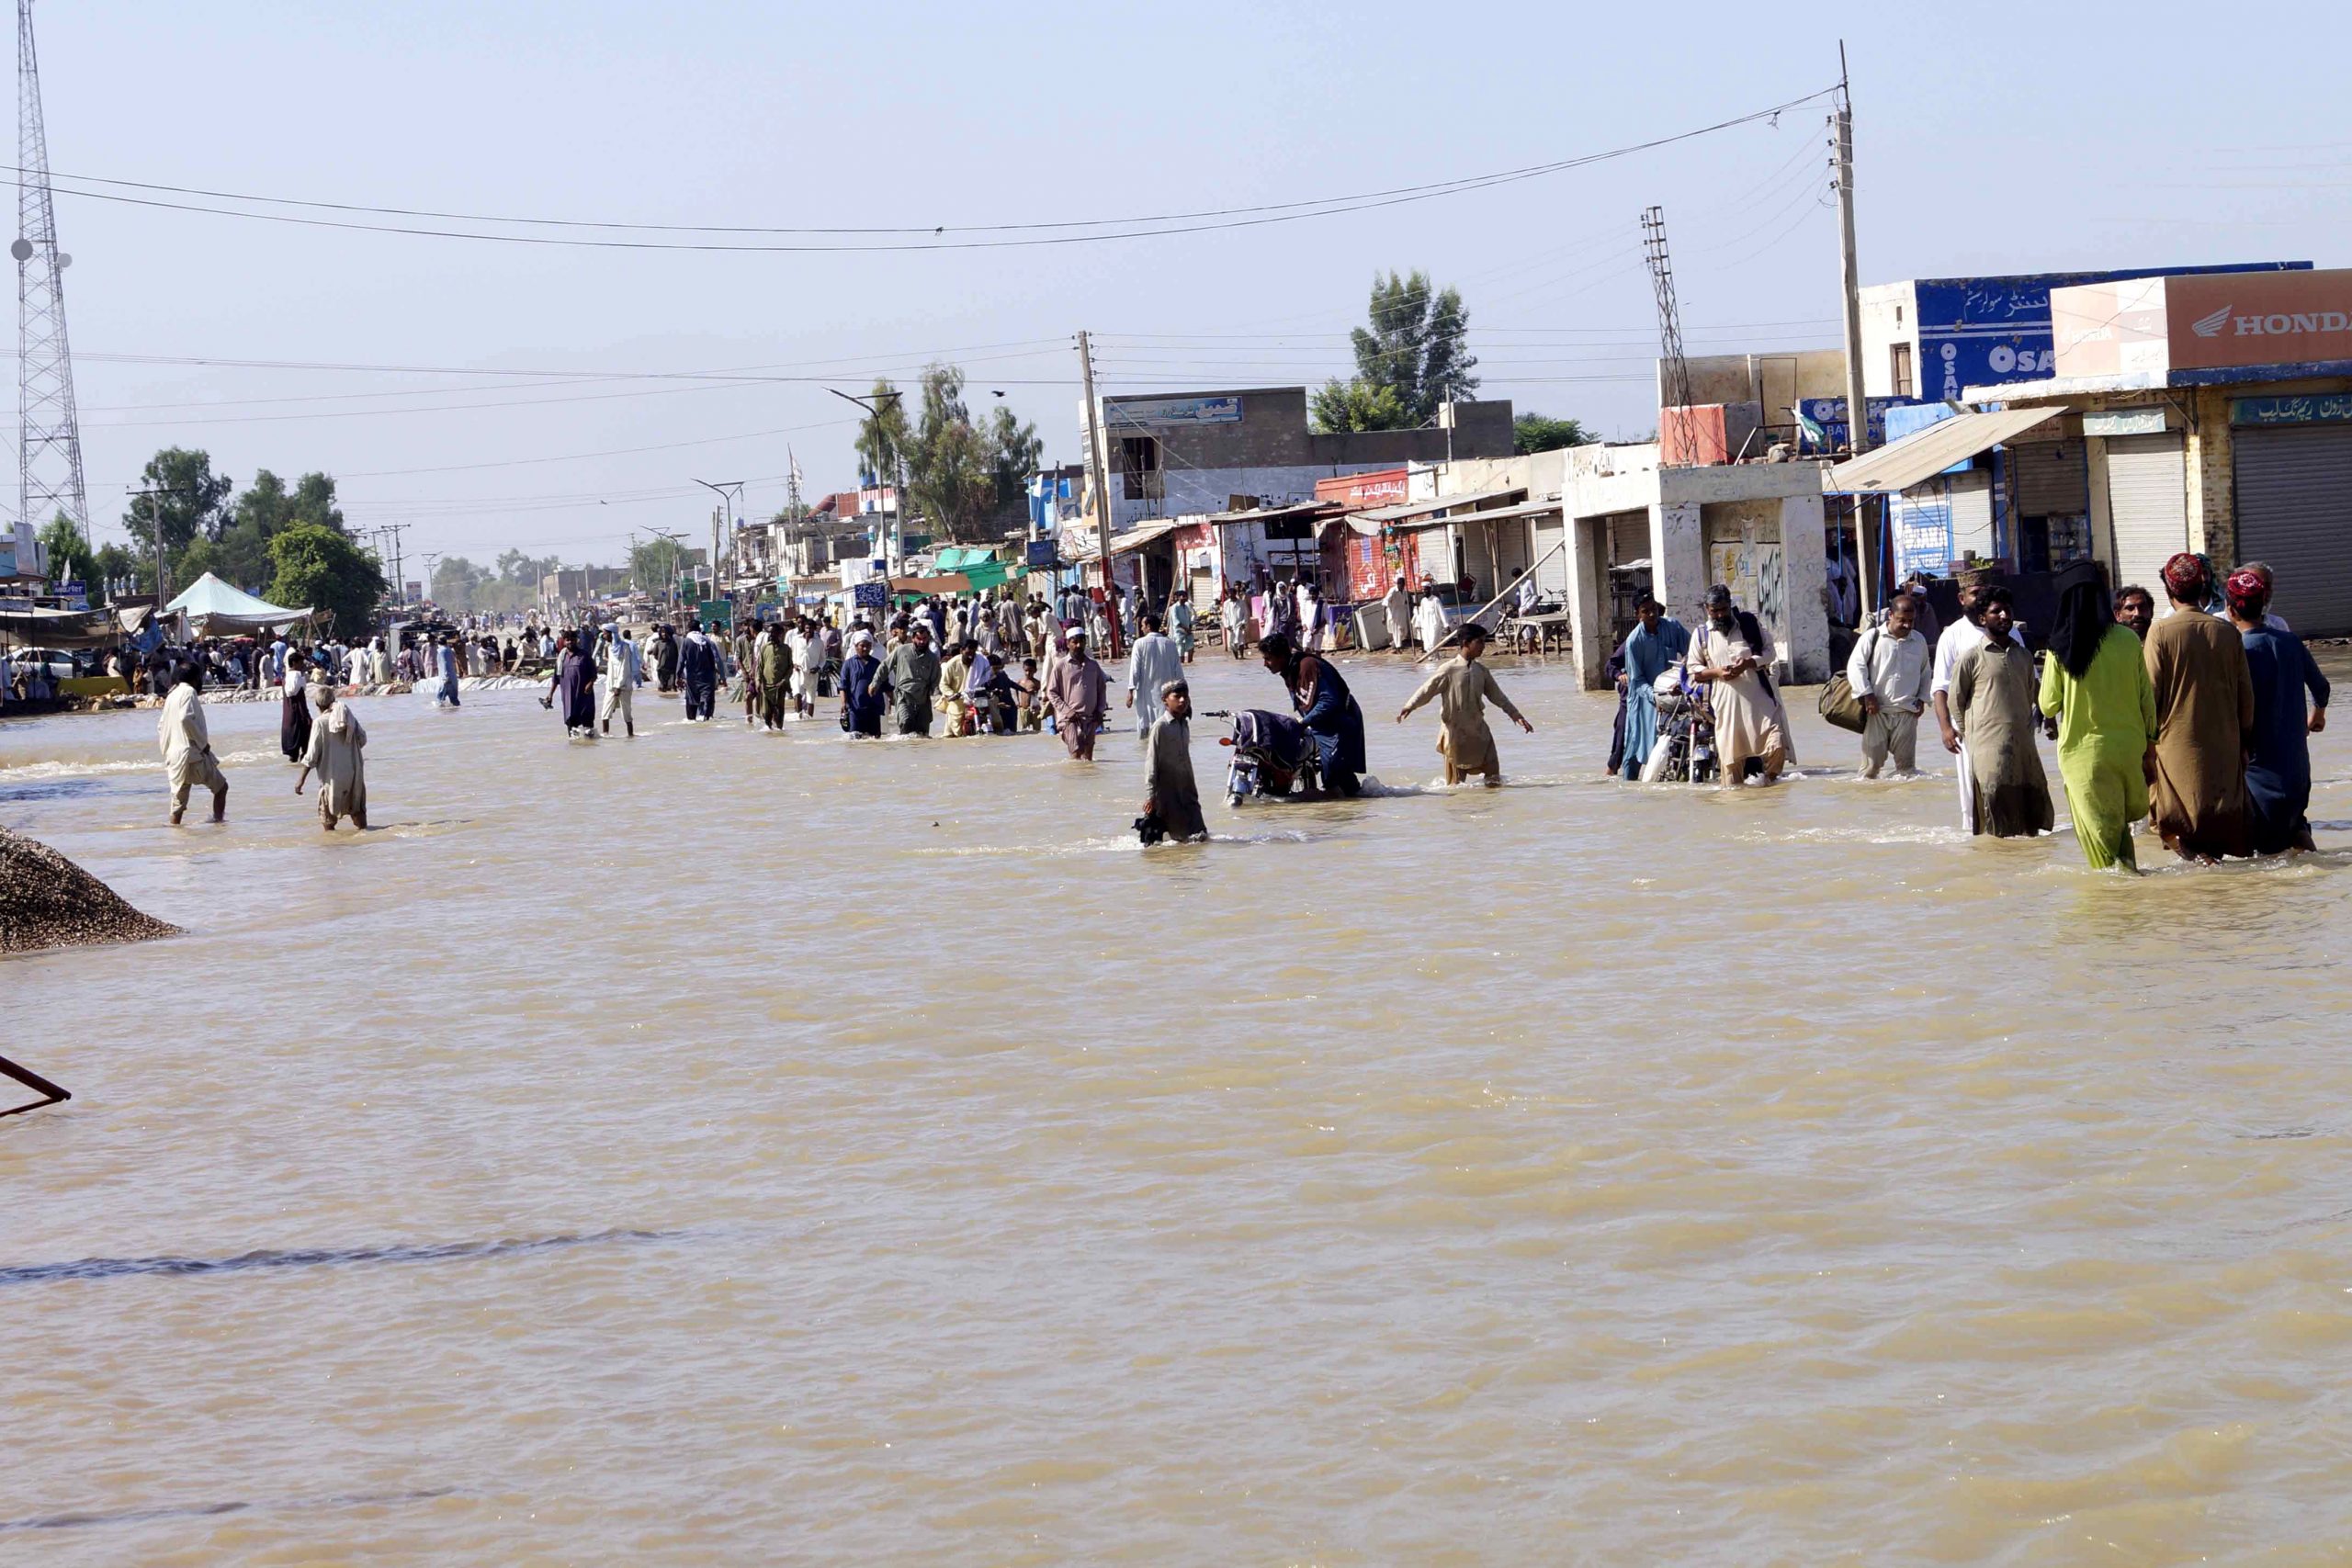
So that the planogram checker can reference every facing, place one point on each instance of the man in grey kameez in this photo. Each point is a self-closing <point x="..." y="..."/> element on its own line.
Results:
<point x="1170" y="793"/>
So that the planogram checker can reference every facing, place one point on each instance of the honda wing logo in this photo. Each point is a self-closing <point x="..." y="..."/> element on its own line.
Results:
<point x="2210" y="326"/>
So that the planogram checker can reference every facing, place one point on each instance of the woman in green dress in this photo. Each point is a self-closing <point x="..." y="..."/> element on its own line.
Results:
<point x="2097" y="694"/>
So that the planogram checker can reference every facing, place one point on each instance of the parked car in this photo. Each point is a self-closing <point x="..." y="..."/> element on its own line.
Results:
<point x="23" y="660"/>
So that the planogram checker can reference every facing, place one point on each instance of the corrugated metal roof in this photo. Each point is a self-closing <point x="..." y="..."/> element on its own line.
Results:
<point x="1437" y="503"/>
<point x="1498" y="514"/>
<point x="1270" y="513"/>
<point x="1926" y="453"/>
<point x="1132" y="541"/>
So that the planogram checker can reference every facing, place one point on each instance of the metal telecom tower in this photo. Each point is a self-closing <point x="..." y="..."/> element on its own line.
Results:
<point x="1669" y="330"/>
<point x="49" y="453"/>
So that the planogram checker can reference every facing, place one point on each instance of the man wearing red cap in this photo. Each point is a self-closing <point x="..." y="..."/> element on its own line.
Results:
<point x="2204" y="719"/>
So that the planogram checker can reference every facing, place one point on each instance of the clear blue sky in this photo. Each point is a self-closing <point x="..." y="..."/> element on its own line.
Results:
<point x="1991" y="138"/>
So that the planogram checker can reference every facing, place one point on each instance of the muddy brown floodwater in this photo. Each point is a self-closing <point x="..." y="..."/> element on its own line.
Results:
<point x="728" y="1148"/>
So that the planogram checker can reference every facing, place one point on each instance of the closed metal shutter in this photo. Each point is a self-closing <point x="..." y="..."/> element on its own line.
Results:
<point x="2050" y="478"/>
<point x="2294" y="507"/>
<point x="1971" y="516"/>
<point x="1510" y="549"/>
<point x="1551" y="574"/>
<point x="1434" y="551"/>
<point x="2147" y="498"/>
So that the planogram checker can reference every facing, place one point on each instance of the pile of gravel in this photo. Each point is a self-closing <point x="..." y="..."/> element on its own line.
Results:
<point x="48" y="901"/>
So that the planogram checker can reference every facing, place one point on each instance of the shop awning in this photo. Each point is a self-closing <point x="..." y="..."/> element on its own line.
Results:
<point x="32" y="626"/>
<point x="1924" y="454"/>
<point x="1131" y="541"/>
<point x="1270" y="513"/>
<point x="1497" y="514"/>
<point x="1403" y="510"/>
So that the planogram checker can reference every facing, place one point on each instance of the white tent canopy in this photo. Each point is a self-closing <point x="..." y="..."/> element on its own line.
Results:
<point x="211" y="605"/>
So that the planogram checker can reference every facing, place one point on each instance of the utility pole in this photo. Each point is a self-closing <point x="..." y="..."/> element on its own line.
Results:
<point x="156" y="521"/>
<point x="1858" y="414"/>
<point x="392" y="531"/>
<point x="1098" y="481"/>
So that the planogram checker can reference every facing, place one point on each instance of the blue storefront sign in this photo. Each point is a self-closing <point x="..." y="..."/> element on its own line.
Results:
<point x="1829" y="413"/>
<point x="873" y="596"/>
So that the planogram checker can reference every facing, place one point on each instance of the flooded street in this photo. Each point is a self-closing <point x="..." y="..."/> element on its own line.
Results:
<point x="902" y="1165"/>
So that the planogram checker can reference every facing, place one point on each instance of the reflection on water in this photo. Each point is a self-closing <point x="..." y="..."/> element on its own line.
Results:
<point x="1689" y="1175"/>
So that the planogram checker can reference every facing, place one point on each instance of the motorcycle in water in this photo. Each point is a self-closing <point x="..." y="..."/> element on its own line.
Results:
<point x="1272" y="758"/>
<point x="1685" y="751"/>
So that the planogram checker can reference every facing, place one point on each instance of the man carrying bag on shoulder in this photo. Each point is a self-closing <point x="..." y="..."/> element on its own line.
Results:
<point x="1888" y="675"/>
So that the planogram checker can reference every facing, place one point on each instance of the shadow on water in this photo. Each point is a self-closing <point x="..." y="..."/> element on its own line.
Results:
<point x="210" y="1510"/>
<point x="307" y="1257"/>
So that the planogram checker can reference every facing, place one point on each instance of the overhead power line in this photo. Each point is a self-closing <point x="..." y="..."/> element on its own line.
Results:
<point x="941" y="237"/>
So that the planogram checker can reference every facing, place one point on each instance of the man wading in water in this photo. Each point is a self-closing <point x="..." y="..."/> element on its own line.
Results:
<point x="1733" y="656"/>
<point x="1463" y="687"/>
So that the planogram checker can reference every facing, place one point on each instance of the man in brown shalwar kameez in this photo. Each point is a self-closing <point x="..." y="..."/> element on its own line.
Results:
<point x="2204" y="715"/>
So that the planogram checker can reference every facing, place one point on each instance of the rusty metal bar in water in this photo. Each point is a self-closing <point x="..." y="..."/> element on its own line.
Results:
<point x="52" y="1094"/>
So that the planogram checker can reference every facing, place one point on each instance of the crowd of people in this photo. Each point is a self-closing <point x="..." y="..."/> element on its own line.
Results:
<point x="2194" y="716"/>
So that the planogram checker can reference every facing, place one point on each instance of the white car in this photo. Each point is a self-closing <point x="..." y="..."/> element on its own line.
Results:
<point x="23" y="660"/>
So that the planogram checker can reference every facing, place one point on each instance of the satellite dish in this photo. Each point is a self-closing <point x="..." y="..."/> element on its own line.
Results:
<point x="22" y="250"/>
<point x="63" y="261"/>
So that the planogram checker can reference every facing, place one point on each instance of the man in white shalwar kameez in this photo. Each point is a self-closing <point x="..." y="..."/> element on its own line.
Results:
<point x="1733" y="653"/>
<point x="187" y="744"/>
<point x="334" y="754"/>
<point x="1152" y="662"/>
<point x="1399" y="605"/>
<point x="1429" y="622"/>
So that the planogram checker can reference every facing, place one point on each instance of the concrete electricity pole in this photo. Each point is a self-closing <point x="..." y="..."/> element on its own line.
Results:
<point x="1098" y="479"/>
<point x="1858" y="417"/>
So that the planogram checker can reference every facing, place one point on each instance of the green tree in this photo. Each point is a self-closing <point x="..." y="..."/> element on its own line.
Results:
<point x="1542" y="432"/>
<point x="655" y="565"/>
<point x="454" y="581"/>
<point x="884" y="437"/>
<point x="313" y="501"/>
<point x="185" y="499"/>
<point x="520" y="571"/>
<point x="1342" y="406"/>
<point x="1014" y="448"/>
<point x="114" y="564"/>
<point x="322" y="570"/>
<point x="949" y="464"/>
<point x="69" y="554"/>
<point x="1416" y="346"/>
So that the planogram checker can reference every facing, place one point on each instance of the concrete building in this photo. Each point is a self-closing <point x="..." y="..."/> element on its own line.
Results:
<point x="1225" y="451"/>
<point x="1601" y="525"/>
<point x="576" y="585"/>
<point x="2214" y="411"/>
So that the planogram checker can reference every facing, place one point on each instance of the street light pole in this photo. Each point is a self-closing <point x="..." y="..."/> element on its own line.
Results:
<point x="893" y="553"/>
<point x="720" y="489"/>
